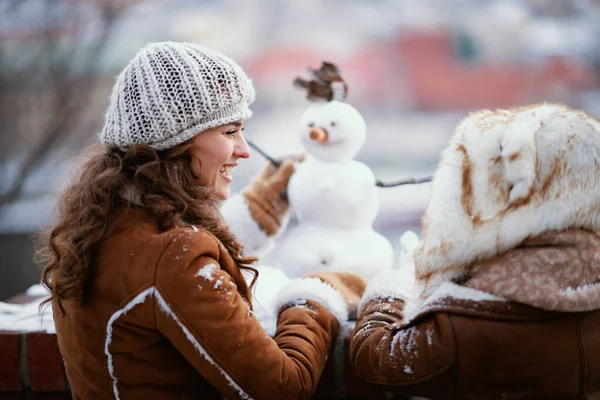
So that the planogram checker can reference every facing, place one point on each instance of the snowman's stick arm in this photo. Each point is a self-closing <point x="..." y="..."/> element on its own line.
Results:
<point x="262" y="153"/>
<point x="378" y="183"/>
<point x="407" y="181"/>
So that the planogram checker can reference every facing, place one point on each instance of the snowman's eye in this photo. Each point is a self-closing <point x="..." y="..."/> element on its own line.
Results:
<point x="311" y="124"/>
<point x="333" y="123"/>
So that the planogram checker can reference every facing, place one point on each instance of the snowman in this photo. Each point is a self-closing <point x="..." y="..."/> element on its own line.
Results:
<point x="334" y="196"/>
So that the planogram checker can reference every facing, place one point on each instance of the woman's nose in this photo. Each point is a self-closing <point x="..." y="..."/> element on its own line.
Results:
<point x="241" y="149"/>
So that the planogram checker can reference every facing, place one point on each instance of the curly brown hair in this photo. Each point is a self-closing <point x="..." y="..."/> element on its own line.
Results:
<point x="168" y="190"/>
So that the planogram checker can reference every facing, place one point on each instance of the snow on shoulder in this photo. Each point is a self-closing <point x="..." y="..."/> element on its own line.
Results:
<point x="207" y="272"/>
<point x="210" y="273"/>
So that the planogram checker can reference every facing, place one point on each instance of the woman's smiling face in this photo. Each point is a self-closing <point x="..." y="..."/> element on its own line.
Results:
<point x="216" y="152"/>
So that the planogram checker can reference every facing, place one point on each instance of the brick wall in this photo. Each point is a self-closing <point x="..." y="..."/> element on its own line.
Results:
<point x="31" y="367"/>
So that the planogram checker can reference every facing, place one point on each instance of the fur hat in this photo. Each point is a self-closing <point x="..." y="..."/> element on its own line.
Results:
<point x="170" y="92"/>
<point x="506" y="176"/>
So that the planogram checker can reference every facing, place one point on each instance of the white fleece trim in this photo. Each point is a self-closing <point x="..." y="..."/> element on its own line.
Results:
<point x="236" y="213"/>
<point x="139" y="299"/>
<point x="446" y="290"/>
<point x="394" y="285"/>
<point x="316" y="290"/>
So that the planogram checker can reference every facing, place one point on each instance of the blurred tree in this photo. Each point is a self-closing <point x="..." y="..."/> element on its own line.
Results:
<point x="49" y="55"/>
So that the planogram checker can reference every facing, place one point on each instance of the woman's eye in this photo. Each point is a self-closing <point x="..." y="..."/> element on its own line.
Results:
<point x="234" y="132"/>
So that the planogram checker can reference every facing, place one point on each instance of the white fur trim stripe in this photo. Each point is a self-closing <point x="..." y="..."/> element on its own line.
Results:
<point x="235" y="211"/>
<point x="165" y="307"/>
<point x="316" y="290"/>
<point x="139" y="299"/>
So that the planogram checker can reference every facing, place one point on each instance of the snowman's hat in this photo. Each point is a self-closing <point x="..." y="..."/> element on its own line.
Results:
<point x="324" y="83"/>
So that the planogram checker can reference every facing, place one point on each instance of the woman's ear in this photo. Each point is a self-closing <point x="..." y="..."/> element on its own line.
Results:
<point x="519" y="154"/>
<point x="196" y="166"/>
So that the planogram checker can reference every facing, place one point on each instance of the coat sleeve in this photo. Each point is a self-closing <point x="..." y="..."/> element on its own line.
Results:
<point x="385" y="351"/>
<point x="247" y="230"/>
<point x="200" y="311"/>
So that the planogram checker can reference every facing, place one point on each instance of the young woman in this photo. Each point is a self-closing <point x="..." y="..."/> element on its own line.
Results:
<point x="146" y="277"/>
<point x="507" y="297"/>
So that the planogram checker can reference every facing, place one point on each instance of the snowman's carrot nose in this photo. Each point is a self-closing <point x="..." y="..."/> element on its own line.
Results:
<point x="319" y="134"/>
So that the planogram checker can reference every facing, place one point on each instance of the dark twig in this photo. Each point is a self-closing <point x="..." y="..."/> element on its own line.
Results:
<point x="262" y="153"/>
<point x="407" y="181"/>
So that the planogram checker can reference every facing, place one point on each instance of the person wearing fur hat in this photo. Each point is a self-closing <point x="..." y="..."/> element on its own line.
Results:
<point x="503" y="299"/>
<point x="146" y="277"/>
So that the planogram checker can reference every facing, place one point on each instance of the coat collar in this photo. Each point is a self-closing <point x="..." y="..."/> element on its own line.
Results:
<point x="555" y="271"/>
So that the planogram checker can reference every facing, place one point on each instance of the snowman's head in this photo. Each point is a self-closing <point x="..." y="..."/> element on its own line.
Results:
<point x="333" y="131"/>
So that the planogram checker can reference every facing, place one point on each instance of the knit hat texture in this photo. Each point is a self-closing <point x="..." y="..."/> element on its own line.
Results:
<point x="170" y="92"/>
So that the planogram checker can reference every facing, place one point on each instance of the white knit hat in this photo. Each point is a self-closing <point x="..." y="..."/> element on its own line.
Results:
<point x="170" y="92"/>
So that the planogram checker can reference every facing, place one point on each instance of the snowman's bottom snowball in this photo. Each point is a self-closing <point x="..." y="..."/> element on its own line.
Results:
<point x="269" y="284"/>
<point x="309" y="248"/>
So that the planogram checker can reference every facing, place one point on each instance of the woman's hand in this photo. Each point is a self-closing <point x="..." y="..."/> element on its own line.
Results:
<point x="267" y="194"/>
<point x="351" y="287"/>
<point x="338" y="292"/>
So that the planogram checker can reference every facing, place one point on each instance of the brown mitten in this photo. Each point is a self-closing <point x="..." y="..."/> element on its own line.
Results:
<point x="267" y="195"/>
<point x="350" y="285"/>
